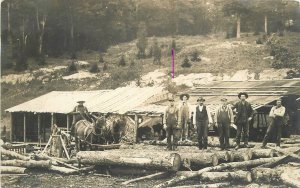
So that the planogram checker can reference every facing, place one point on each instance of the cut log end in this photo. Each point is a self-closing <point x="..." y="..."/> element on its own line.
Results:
<point x="249" y="177"/>
<point x="176" y="161"/>
<point x="215" y="160"/>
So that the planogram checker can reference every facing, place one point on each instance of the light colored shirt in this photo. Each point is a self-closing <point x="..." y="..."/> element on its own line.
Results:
<point x="172" y="110"/>
<point x="201" y="108"/>
<point x="184" y="111"/>
<point x="228" y="110"/>
<point x="277" y="111"/>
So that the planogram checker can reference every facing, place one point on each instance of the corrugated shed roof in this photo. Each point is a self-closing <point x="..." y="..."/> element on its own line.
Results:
<point x="56" y="101"/>
<point x="260" y="93"/>
<point x="118" y="101"/>
<point x="123" y="100"/>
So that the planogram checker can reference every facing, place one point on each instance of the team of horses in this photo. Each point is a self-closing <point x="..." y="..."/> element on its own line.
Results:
<point x="102" y="130"/>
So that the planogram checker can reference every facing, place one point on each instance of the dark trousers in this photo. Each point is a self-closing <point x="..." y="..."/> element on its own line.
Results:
<point x="172" y="130"/>
<point x="276" y="123"/>
<point x="242" y="127"/>
<point x="202" y="130"/>
<point x="223" y="128"/>
<point x="184" y="127"/>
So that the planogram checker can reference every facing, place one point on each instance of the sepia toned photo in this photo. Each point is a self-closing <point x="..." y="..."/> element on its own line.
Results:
<point x="150" y="93"/>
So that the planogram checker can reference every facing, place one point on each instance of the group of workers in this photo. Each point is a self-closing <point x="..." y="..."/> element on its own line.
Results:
<point x="177" y="119"/>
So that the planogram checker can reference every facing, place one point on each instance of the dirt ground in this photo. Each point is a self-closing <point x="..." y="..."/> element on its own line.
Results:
<point x="98" y="177"/>
<point x="45" y="180"/>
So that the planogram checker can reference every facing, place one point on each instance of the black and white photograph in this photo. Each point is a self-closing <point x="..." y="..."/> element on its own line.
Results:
<point x="150" y="93"/>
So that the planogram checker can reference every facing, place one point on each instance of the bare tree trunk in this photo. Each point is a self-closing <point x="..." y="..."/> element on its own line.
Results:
<point x="238" y="27"/>
<point x="42" y="31"/>
<point x="8" y="17"/>
<point x="266" y="24"/>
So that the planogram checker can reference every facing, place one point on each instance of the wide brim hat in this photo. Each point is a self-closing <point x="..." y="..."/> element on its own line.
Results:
<point x="243" y="93"/>
<point x="80" y="101"/>
<point x="200" y="99"/>
<point x="184" y="94"/>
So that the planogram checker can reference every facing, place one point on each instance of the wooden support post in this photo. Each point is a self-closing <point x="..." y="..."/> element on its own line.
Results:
<point x="24" y="128"/>
<point x="39" y="129"/>
<point x="136" y="128"/>
<point x="11" y="127"/>
<point x="68" y="123"/>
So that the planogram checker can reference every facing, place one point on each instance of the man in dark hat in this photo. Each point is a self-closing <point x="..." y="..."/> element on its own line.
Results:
<point x="244" y="113"/>
<point x="184" y="116"/>
<point x="171" y="124"/>
<point x="223" y="119"/>
<point x="80" y="112"/>
<point x="202" y="117"/>
<point x="276" y="116"/>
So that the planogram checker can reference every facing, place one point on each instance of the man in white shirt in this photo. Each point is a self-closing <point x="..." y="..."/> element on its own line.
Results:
<point x="202" y="117"/>
<point x="276" y="115"/>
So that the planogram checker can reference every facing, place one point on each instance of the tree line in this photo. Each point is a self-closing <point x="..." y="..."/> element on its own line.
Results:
<point x="39" y="28"/>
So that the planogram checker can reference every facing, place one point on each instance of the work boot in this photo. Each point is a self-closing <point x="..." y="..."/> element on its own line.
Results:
<point x="263" y="147"/>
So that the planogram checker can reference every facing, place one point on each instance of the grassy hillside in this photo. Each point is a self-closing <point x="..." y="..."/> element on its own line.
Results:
<point x="218" y="55"/>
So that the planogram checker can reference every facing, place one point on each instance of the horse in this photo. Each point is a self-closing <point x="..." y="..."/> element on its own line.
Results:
<point x="88" y="132"/>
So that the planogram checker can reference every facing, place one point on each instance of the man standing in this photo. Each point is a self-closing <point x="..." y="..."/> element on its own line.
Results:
<point x="170" y="124"/>
<point x="223" y="119"/>
<point x="244" y="113"/>
<point x="80" y="112"/>
<point x="276" y="115"/>
<point x="184" y="116"/>
<point x="202" y="117"/>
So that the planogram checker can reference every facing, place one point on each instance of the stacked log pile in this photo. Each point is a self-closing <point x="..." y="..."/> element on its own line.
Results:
<point x="15" y="163"/>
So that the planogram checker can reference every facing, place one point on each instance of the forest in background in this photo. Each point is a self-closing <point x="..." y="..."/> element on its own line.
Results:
<point x="54" y="28"/>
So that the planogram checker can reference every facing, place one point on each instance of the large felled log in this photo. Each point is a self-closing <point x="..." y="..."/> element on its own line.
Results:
<point x="220" y="167"/>
<point x="200" y="158"/>
<point x="12" y="170"/>
<point x="27" y="164"/>
<point x="213" y="185"/>
<point x="291" y="178"/>
<point x="266" y="174"/>
<point x="242" y="155"/>
<point x="63" y="170"/>
<point x="263" y="153"/>
<point x="223" y="156"/>
<point x="167" y="161"/>
<point x="241" y="176"/>
<point x="13" y="154"/>
<point x="237" y="176"/>
<point x="151" y="176"/>
<point x="56" y="161"/>
<point x="116" y="170"/>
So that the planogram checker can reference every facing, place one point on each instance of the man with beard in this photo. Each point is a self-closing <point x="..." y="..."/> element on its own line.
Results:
<point x="244" y="113"/>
